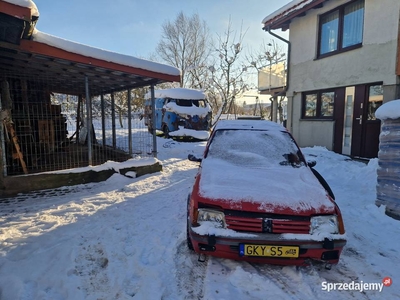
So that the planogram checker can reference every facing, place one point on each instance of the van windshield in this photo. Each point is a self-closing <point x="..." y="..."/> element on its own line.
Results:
<point x="189" y="103"/>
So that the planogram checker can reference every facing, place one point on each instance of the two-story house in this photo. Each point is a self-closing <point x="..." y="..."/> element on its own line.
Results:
<point x="343" y="63"/>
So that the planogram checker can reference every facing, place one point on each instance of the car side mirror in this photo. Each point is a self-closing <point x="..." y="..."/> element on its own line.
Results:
<point x="311" y="163"/>
<point x="191" y="157"/>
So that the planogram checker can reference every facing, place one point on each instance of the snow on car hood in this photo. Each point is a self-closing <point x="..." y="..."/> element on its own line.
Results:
<point x="269" y="189"/>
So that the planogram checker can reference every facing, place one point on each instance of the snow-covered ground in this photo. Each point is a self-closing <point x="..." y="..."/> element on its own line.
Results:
<point x="125" y="239"/>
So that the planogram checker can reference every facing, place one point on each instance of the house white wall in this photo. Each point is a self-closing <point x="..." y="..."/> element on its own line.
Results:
<point x="375" y="61"/>
<point x="324" y="135"/>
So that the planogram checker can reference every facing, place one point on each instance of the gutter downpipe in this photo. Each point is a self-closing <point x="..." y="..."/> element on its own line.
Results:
<point x="287" y="74"/>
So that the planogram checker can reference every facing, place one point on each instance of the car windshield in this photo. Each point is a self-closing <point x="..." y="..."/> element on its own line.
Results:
<point x="255" y="148"/>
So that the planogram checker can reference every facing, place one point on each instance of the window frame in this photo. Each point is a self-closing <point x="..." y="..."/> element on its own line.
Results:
<point x="369" y="86"/>
<point x="340" y="48"/>
<point x="318" y="110"/>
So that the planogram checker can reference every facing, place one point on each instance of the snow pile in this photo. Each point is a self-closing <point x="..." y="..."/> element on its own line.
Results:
<point x="389" y="110"/>
<point x="197" y="134"/>
<point x="109" y="165"/>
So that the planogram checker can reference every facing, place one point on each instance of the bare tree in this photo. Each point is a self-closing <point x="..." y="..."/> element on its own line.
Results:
<point x="137" y="102"/>
<point x="227" y="73"/>
<point x="267" y="59"/>
<point x="121" y="105"/>
<point x="185" y="44"/>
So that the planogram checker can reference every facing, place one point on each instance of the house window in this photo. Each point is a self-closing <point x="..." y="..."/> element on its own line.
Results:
<point x="310" y="105"/>
<point x="341" y="29"/>
<point x="375" y="100"/>
<point x="327" y="101"/>
<point x="318" y="105"/>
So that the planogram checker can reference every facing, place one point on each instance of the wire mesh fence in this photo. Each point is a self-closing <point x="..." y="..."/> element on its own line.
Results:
<point x="48" y="131"/>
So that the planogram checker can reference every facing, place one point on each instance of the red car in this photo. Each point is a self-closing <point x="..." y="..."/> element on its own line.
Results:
<point x="255" y="198"/>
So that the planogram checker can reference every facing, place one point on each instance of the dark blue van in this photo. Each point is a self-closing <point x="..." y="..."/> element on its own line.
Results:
<point x="180" y="112"/>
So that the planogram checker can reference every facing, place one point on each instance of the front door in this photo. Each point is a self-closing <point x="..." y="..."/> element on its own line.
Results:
<point x="365" y="126"/>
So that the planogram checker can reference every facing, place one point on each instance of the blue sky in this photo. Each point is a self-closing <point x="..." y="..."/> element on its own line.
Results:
<point x="134" y="27"/>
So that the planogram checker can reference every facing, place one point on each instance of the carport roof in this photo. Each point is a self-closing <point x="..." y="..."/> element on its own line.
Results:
<point x="67" y="63"/>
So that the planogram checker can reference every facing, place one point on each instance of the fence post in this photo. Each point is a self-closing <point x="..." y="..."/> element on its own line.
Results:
<point x="130" y="121"/>
<point x="153" y="120"/>
<point x="114" y="135"/>
<point x="89" y="122"/>
<point x="103" y="119"/>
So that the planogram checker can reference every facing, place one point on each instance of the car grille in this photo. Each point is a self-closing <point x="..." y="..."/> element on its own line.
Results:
<point x="289" y="226"/>
<point x="244" y="224"/>
<point x="268" y="224"/>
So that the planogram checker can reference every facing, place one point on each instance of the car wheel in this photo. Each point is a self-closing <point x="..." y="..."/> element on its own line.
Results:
<point x="166" y="132"/>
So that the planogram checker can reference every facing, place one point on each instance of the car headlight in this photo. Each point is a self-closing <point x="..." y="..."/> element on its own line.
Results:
<point x="324" y="224"/>
<point x="211" y="215"/>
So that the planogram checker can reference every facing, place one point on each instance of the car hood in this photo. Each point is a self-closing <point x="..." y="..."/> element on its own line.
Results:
<point x="279" y="190"/>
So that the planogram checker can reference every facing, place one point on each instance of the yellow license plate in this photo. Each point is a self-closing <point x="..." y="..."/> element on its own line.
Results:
<point x="269" y="251"/>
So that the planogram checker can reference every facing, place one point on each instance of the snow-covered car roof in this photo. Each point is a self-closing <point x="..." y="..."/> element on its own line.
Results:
<point x="249" y="124"/>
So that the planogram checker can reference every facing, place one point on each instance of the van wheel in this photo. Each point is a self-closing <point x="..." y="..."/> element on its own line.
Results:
<point x="166" y="132"/>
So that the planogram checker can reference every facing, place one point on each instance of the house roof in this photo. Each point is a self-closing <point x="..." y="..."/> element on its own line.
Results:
<point x="67" y="63"/>
<point x="281" y="18"/>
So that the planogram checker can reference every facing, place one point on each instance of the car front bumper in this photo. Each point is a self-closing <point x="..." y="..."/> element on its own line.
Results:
<point x="229" y="247"/>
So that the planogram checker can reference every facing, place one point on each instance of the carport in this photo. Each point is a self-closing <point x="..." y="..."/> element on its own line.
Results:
<point x="46" y="79"/>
